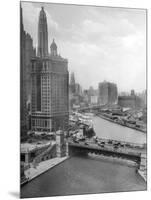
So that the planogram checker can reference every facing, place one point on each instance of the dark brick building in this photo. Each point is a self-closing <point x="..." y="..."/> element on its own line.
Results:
<point x="131" y="101"/>
<point x="26" y="53"/>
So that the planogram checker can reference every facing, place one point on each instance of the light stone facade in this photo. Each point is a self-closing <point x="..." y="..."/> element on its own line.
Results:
<point x="49" y="86"/>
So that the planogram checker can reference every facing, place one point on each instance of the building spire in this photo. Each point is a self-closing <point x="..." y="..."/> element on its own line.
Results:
<point x="42" y="34"/>
<point x="53" y="48"/>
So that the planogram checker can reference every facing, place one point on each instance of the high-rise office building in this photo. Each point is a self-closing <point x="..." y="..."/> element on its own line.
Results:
<point x="107" y="93"/>
<point x="26" y="52"/>
<point x="49" y="84"/>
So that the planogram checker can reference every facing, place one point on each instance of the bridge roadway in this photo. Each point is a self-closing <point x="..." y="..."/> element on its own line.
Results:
<point x="108" y="149"/>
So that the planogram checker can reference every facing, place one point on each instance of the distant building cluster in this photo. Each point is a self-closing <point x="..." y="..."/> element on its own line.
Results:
<point x="132" y="101"/>
<point x="79" y="97"/>
<point x="106" y="94"/>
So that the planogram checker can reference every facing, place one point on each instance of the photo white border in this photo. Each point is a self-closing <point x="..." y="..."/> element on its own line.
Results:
<point x="10" y="99"/>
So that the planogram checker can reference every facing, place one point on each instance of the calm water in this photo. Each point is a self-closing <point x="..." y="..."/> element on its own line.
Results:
<point x="85" y="175"/>
<point x="109" y="130"/>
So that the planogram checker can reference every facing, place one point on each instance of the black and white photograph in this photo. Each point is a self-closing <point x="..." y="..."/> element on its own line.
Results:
<point x="83" y="99"/>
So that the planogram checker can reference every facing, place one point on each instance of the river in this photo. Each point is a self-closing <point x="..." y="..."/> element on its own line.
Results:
<point x="84" y="175"/>
<point x="109" y="130"/>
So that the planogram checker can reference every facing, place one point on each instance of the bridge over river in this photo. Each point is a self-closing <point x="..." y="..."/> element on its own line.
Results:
<point x="114" y="148"/>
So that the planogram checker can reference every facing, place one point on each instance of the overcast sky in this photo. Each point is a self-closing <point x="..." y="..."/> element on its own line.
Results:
<point x="100" y="43"/>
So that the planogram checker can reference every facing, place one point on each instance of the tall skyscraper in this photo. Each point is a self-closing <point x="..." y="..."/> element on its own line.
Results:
<point x="26" y="52"/>
<point x="49" y="84"/>
<point x="107" y="93"/>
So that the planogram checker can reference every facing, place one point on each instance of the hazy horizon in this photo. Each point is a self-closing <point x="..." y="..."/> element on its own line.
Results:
<point x="100" y="43"/>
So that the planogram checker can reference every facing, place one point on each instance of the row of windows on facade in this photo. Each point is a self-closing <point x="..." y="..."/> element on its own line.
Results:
<point x="55" y="83"/>
<point x="53" y="105"/>
<point x="53" y="86"/>
<point x="53" y="76"/>
<point x="50" y="89"/>
<point x="50" y="106"/>
<point x="44" y="69"/>
<point x="48" y="114"/>
<point x="43" y="65"/>
<point x="53" y="99"/>
<point x="59" y="85"/>
<point x="43" y="123"/>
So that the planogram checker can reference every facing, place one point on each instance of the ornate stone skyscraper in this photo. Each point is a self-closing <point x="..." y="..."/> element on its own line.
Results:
<point x="49" y="84"/>
<point x="42" y="34"/>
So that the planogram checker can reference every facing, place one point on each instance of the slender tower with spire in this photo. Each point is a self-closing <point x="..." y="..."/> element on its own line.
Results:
<point x="49" y="84"/>
<point x="42" y="34"/>
<point x="72" y="83"/>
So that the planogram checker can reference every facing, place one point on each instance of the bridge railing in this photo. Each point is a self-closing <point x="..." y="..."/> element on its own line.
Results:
<point x="122" y="142"/>
<point x="111" y="149"/>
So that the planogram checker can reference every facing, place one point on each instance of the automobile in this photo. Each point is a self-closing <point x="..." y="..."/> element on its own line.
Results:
<point x="38" y="142"/>
<point x="127" y="145"/>
<point x="115" y="147"/>
<point x="96" y="140"/>
<point x="101" y="145"/>
<point x="82" y="139"/>
<point x="102" y="142"/>
<point x="110" y="142"/>
<point x="76" y="141"/>
<point x="117" y="143"/>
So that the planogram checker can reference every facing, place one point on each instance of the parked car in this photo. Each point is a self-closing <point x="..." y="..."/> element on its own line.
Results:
<point x="76" y="141"/>
<point x="100" y="144"/>
<point x="110" y="142"/>
<point x="115" y="147"/>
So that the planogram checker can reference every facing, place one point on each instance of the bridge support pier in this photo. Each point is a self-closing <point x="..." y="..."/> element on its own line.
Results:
<point x="27" y="158"/>
<point x="60" y="144"/>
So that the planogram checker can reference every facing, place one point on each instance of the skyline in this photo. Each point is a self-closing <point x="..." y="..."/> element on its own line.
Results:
<point x="108" y="42"/>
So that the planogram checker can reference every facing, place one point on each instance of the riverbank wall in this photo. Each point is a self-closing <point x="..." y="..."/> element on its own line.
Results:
<point x="143" y="174"/>
<point x="42" y="167"/>
<point x="111" y="159"/>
